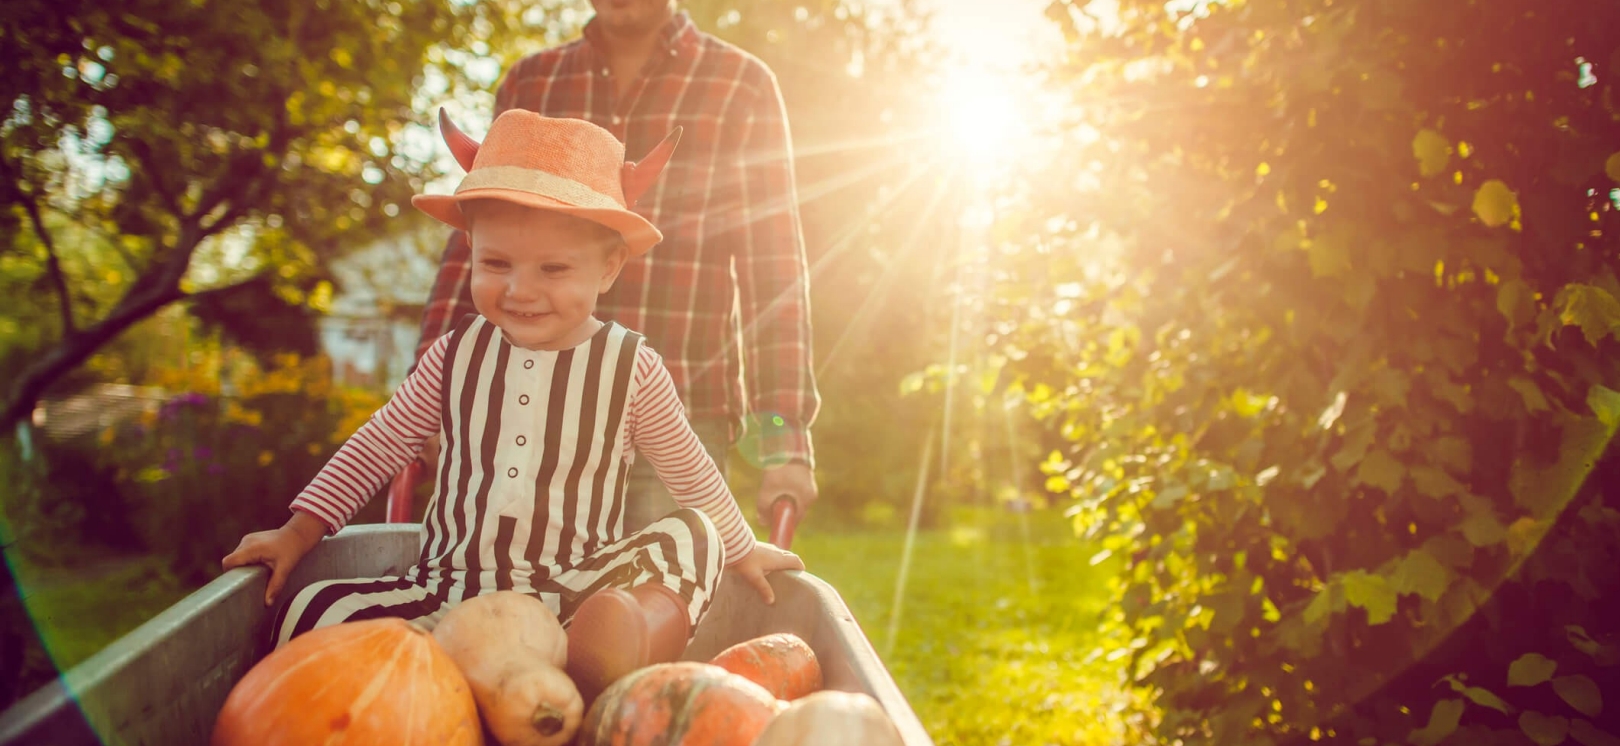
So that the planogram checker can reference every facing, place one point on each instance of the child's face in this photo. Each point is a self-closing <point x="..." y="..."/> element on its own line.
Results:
<point x="536" y="274"/>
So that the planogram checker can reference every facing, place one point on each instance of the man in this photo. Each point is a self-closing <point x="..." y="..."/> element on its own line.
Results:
<point x="724" y="297"/>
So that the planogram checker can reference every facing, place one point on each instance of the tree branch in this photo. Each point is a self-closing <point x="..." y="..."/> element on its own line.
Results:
<point x="53" y="265"/>
<point x="70" y="352"/>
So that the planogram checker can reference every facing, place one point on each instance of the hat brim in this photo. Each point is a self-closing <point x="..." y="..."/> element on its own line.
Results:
<point x="639" y="234"/>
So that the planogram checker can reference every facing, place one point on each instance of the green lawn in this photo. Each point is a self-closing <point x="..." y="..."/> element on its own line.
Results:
<point x="998" y="633"/>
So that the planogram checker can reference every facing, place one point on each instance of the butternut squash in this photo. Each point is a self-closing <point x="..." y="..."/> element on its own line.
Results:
<point x="512" y="650"/>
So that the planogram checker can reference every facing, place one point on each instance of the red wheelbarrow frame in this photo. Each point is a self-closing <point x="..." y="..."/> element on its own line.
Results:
<point x="402" y="493"/>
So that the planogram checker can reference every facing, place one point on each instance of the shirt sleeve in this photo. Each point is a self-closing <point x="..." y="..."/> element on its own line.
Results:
<point x="660" y="432"/>
<point x="381" y="447"/>
<point x="773" y="284"/>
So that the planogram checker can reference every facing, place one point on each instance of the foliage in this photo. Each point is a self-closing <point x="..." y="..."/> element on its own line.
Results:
<point x="155" y="152"/>
<point x="1320" y="298"/>
<point x="996" y="630"/>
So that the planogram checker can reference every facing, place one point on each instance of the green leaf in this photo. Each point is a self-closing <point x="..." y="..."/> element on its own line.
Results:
<point x="1452" y="551"/>
<point x="1370" y="592"/>
<point x="1328" y="256"/>
<point x="1581" y="693"/>
<point x="1434" y="482"/>
<point x="1531" y="669"/>
<point x="1516" y="302"/>
<point x="1422" y="574"/>
<point x="1588" y="734"/>
<point x="1443" y="719"/>
<point x="1480" y="696"/>
<point x="1546" y="490"/>
<point x="1433" y="152"/>
<point x="1355" y="446"/>
<point x="1480" y="524"/>
<point x="1603" y="654"/>
<point x="1328" y="600"/>
<point x="1605" y="403"/>
<point x="1543" y="729"/>
<point x="1381" y="470"/>
<point x="1454" y="453"/>
<point x="1589" y="307"/>
<point x="1534" y="401"/>
<point x="1495" y="204"/>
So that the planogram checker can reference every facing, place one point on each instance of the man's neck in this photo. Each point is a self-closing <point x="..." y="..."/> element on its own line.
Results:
<point x="634" y="47"/>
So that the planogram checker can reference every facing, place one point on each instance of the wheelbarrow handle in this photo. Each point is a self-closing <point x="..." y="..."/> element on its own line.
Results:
<point x="402" y="491"/>
<point x="784" y="518"/>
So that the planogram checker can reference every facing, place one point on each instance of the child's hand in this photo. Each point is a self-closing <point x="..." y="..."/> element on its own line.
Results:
<point x="280" y="550"/>
<point x="764" y="559"/>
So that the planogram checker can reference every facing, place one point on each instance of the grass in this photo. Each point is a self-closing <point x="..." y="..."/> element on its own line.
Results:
<point x="998" y="627"/>
<point x="78" y="612"/>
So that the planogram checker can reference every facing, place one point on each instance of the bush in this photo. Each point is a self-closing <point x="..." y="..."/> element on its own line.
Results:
<point x="205" y="469"/>
<point x="1330" y="329"/>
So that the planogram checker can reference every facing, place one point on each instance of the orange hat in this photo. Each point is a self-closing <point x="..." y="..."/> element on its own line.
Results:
<point x="564" y="165"/>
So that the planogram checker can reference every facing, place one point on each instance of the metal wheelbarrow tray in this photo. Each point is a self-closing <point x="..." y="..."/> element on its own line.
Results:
<point x="164" y="683"/>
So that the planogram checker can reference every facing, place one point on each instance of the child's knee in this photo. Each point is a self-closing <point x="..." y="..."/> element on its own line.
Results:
<point x="696" y="523"/>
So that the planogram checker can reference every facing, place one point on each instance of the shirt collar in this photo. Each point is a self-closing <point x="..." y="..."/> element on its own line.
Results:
<point x="678" y="35"/>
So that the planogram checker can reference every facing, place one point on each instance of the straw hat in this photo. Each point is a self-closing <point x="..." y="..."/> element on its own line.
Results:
<point x="565" y="165"/>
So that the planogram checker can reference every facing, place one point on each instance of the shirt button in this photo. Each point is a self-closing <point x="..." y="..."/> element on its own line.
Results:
<point x="617" y="119"/>
<point x="523" y="399"/>
<point x="604" y="72"/>
<point x="672" y="53"/>
<point x="528" y="364"/>
<point x="522" y="440"/>
<point x="512" y="472"/>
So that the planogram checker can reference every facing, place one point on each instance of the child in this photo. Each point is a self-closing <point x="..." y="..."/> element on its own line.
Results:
<point x="541" y="409"/>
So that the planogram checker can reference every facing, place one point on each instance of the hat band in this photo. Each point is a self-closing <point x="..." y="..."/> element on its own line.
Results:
<point x="535" y="181"/>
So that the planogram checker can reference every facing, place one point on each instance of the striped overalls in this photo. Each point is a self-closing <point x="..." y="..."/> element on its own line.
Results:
<point x="529" y="494"/>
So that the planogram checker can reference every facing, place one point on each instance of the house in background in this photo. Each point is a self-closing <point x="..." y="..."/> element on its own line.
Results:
<point x="375" y="320"/>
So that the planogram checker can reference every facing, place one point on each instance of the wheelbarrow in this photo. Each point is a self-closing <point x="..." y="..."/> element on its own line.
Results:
<point x="164" y="683"/>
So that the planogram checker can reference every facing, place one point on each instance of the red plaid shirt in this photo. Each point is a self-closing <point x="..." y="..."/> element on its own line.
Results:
<point x="729" y="280"/>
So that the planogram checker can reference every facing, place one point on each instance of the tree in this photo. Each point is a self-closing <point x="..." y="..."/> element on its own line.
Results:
<point x="1330" y="339"/>
<point x="157" y="152"/>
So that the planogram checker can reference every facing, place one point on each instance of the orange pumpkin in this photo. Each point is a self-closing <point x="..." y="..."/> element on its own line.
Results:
<point x="679" y="704"/>
<point x="782" y="663"/>
<point x="831" y="718"/>
<point x="367" y="682"/>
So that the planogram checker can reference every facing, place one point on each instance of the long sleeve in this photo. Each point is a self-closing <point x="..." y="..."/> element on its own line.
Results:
<point x="381" y="447"/>
<point x="660" y="433"/>
<point x="773" y="283"/>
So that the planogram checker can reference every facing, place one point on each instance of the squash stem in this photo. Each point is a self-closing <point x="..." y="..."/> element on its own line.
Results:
<point x="547" y="720"/>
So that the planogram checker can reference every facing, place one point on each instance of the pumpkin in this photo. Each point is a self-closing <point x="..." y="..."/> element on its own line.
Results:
<point x="679" y="704"/>
<point x="366" y="682"/>
<point x="511" y="649"/>
<point x="831" y="718"/>
<point x="782" y="663"/>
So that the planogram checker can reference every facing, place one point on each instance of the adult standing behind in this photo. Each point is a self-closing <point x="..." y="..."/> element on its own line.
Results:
<point x="724" y="298"/>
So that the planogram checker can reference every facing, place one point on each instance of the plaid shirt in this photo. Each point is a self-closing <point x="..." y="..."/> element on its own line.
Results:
<point x="729" y="279"/>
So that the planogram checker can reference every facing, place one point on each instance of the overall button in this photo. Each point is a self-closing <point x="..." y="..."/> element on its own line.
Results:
<point x="512" y="472"/>
<point x="617" y="119"/>
<point x="522" y="440"/>
<point x="523" y="398"/>
<point x="528" y="364"/>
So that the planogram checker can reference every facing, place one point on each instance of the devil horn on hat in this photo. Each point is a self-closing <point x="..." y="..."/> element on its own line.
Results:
<point x="638" y="176"/>
<point x="464" y="148"/>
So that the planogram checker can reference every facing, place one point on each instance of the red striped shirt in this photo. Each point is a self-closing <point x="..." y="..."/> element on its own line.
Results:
<point x="657" y="430"/>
